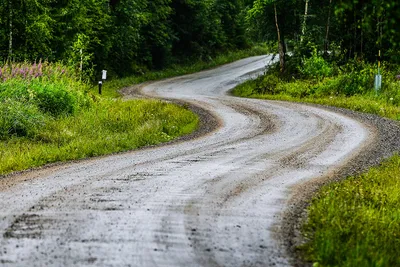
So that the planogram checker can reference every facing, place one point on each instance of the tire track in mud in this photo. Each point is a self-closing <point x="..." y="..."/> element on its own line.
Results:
<point x="215" y="200"/>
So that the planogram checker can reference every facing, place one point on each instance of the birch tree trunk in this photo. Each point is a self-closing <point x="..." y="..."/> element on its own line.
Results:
<point x="10" y="17"/>
<point x="304" y="27"/>
<point x="328" y="25"/>
<point x="281" y="43"/>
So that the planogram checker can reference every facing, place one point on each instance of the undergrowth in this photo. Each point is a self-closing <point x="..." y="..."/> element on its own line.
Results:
<point x="108" y="127"/>
<point x="48" y="115"/>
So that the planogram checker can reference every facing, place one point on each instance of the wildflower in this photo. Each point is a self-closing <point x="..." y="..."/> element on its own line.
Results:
<point x="40" y="65"/>
<point x="398" y="77"/>
<point x="391" y="99"/>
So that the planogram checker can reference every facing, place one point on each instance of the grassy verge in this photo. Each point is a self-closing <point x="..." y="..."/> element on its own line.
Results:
<point x="47" y="115"/>
<point x="355" y="222"/>
<point x="108" y="127"/>
<point x="111" y="87"/>
<point x="359" y="103"/>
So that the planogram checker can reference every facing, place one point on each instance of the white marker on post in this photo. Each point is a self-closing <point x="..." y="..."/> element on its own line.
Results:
<point x="104" y="75"/>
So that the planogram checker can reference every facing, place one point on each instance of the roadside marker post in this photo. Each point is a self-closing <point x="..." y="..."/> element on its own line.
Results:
<point x="100" y="86"/>
<point x="378" y="77"/>
<point x="103" y="78"/>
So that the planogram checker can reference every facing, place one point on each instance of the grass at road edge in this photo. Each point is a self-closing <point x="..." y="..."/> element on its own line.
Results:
<point x="357" y="103"/>
<point x="110" y="127"/>
<point x="355" y="222"/>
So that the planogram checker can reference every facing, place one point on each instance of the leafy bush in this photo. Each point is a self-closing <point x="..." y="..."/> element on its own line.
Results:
<point x="267" y="84"/>
<point x="315" y="67"/>
<point x="19" y="119"/>
<point x="55" y="99"/>
<point x="391" y="92"/>
<point x="49" y="86"/>
<point x="299" y="89"/>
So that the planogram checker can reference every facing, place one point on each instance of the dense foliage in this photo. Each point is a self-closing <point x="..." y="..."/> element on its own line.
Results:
<point x="31" y="95"/>
<point x="341" y="30"/>
<point x="129" y="37"/>
<point x="123" y="36"/>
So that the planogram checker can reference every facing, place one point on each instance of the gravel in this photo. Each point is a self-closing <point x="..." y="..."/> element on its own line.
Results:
<point x="385" y="144"/>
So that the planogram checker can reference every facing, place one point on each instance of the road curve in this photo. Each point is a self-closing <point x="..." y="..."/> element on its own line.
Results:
<point x="213" y="201"/>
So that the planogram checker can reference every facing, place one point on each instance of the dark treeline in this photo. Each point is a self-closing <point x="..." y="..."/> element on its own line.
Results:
<point x="130" y="36"/>
<point x="125" y="36"/>
<point x="343" y="29"/>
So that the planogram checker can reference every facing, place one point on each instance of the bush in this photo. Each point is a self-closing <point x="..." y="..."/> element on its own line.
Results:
<point x="315" y="67"/>
<point x="391" y="93"/>
<point x="55" y="99"/>
<point x="19" y="119"/>
<point x="299" y="89"/>
<point x="267" y="84"/>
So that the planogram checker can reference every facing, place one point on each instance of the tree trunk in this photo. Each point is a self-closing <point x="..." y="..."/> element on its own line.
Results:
<point x="10" y="17"/>
<point x="328" y="25"/>
<point x="281" y="43"/>
<point x="304" y="27"/>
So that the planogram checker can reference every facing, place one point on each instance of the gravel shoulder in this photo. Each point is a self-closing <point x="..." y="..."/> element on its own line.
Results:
<point x="386" y="143"/>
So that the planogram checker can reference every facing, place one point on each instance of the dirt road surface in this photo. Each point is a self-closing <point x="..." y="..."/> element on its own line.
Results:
<point x="216" y="200"/>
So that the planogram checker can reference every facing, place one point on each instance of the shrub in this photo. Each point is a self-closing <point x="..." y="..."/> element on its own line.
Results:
<point x="50" y="86"/>
<point x="54" y="98"/>
<point x="19" y="119"/>
<point x="391" y="93"/>
<point x="267" y="84"/>
<point x="315" y="67"/>
<point x="299" y="89"/>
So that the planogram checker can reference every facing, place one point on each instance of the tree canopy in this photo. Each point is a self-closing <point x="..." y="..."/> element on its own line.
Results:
<point x="131" y="36"/>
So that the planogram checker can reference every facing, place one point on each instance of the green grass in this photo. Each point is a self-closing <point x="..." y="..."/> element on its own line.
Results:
<point x="108" y="127"/>
<point x="355" y="222"/>
<point x="110" y="88"/>
<point x="363" y="103"/>
<point x="99" y="127"/>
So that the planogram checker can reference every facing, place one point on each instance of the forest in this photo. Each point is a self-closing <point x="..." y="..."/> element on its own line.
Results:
<point x="130" y="37"/>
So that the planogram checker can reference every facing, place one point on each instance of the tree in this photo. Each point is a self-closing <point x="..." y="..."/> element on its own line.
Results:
<point x="261" y="10"/>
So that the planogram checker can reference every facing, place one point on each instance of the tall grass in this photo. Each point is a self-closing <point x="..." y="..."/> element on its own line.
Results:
<point x="48" y="115"/>
<point x="357" y="222"/>
<point x="108" y="127"/>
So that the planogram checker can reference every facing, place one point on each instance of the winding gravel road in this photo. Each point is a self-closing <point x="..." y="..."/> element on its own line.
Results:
<point x="216" y="200"/>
